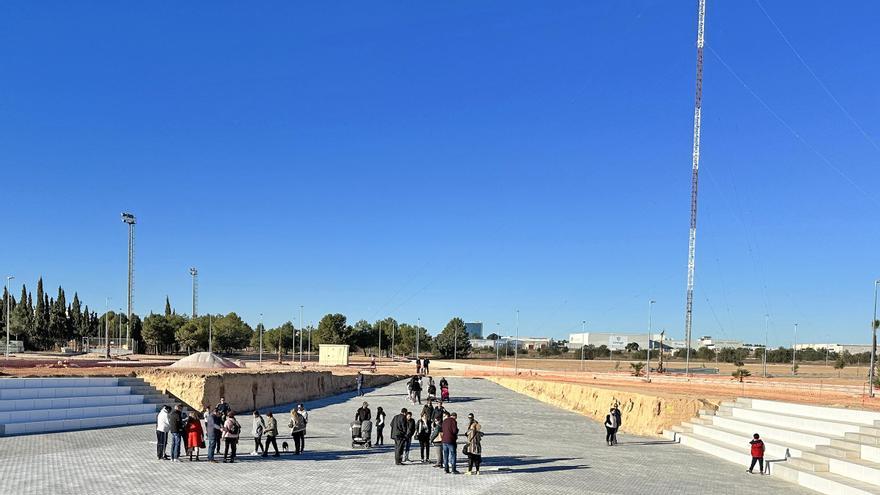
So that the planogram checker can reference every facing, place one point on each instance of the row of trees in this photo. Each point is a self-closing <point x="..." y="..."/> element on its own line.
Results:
<point x="46" y="323"/>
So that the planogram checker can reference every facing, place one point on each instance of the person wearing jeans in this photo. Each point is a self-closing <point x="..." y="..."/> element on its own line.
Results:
<point x="449" y="435"/>
<point x="231" y="431"/>
<point x="175" y="422"/>
<point x="162" y="428"/>
<point x="210" y="422"/>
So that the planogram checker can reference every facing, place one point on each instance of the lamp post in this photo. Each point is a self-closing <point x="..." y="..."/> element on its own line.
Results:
<point x="393" y="327"/>
<point x="379" y="329"/>
<point x="310" y="341"/>
<point x="210" y="335"/>
<point x="650" y="324"/>
<point x="583" y="341"/>
<point x="455" y="344"/>
<point x="107" y="327"/>
<point x="873" y="341"/>
<point x="794" y="351"/>
<point x="302" y="326"/>
<point x="261" y="340"/>
<point x="418" y="335"/>
<point x="766" y="326"/>
<point x="497" y="334"/>
<point x="8" y="278"/>
<point x="516" y="346"/>
<point x="129" y="220"/>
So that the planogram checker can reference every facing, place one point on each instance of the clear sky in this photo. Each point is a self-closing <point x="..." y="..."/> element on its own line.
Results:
<point x="438" y="159"/>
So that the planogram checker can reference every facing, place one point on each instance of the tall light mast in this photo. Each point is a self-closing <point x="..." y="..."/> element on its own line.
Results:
<point x="195" y="290"/>
<point x="129" y="219"/>
<point x="692" y="240"/>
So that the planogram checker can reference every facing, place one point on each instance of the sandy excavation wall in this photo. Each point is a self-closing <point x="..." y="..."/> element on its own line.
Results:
<point x="259" y="390"/>
<point x="642" y="414"/>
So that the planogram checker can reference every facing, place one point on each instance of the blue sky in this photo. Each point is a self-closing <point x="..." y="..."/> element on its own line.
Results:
<point x="428" y="160"/>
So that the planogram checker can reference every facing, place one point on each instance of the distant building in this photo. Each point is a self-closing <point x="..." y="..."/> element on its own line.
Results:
<point x="708" y="341"/>
<point x="474" y="329"/>
<point x="487" y="343"/>
<point x="838" y="348"/>
<point x="598" y="339"/>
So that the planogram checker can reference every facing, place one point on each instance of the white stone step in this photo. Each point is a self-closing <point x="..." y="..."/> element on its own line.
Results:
<point x="774" y="449"/>
<point x="829" y="427"/>
<point x="834" y="414"/>
<point x="870" y="453"/>
<point x="830" y="451"/>
<point x="58" y="392"/>
<point x="76" y="424"/>
<point x="67" y="402"/>
<point x="712" y="447"/>
<point x="12" y="417"/>
<point x="826" y="483"/>
<point x="9" y="383"/>
<point x="862" y="438"/>
<point x="867" y="472"/>
<point x="780" y="434"/>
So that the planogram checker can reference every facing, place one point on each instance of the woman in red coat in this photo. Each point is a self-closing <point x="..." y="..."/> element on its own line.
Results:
<point x="194" y="435"/>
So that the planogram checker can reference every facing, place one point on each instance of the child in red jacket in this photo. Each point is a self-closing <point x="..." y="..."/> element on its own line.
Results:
<point x="757" y="453"/>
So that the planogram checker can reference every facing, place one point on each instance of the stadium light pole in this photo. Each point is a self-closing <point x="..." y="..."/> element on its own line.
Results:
<point x="418" y="334"/>
<point x="310" y="340"/>
<point x="8" y="278"/>
<point x="650" y="324"/>
<point x="379" y="329"/>
<point x="261" y="339"/>
<point x="130" y="220"/>
<point x="302" y="326"/>
<point x="107" y="327"/>
<point x="210" y="335"/>
<point x="871" y="373"/>
<point x="794" y="351"/>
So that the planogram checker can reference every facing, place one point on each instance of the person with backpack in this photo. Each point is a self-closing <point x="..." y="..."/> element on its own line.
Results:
<point x="218" y="432"/>
<point x="231" y="431"/>
<point x="271" y="434"/>
<point x="380" y="425"/>
<point x="757" y="453"/>
<point x="610" y="427"/>
<point x="616" y="411"/>
<point x="297" y="425"/>
<point x="301" y="409"/>
<point x="257" y="431"/>
<point x="398" y="434"/>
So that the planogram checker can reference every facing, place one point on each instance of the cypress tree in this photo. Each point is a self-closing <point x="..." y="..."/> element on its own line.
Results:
<point x="40" y="321"/>
<point x="167" y="307"/>
<point x="75" y="314"/>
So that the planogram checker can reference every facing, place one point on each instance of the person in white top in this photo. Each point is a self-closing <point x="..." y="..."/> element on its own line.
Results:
<point x="305" y="414"/>
<point x="163" y="426"/>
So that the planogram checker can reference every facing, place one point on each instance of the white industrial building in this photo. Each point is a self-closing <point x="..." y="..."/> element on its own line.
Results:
<point x="597" y="339"/>
<point x="838" y="348"/>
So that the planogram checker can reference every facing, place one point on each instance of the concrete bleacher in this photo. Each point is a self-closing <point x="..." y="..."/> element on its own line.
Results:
<point x="829" y="450"/>
<point x="42" y="405"/>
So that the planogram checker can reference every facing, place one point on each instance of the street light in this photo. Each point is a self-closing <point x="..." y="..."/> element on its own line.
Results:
<point x="8" y="278"/>
<point x="302" y="326"/>
<point x="516" y="346"/>
<point x="418" y="334"/>
<point x="261" y="340"/>
<point x="107" y="327"/>
<point x="498" y="335"/>
<point x="794" y="351"/>
<point x="583" y="341"/>
<point x="766" y="325"/>
<point x="873" y="341"/>
<point x="650" y="324"/>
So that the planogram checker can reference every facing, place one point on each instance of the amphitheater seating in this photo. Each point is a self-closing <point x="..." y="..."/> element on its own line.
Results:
<point x="42" y="405"/>
<point x="830" y="450"/>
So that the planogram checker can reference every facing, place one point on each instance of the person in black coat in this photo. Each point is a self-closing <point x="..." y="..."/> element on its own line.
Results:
<point x="175" y="421"/>
<point x="363" y="413"/>
<point x="399" y="428"/>
<point x="416" y="387"/>
<point x="410" y="432"/>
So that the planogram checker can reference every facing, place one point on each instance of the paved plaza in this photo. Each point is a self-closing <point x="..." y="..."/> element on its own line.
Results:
<point x="529" y="448"/>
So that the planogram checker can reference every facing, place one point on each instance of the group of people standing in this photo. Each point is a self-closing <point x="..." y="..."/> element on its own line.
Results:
<point x="436" y="427"/>
<point x="415" y="385"/>
<point x="194" y="431"/>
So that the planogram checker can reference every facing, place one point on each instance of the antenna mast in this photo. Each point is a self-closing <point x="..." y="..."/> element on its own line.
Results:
<point x="692" y="240"/>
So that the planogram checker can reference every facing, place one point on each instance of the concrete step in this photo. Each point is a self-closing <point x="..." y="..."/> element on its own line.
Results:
<point x="858" y="469"/>
<point x="701" y="421"/>
<point x="844" y="444"/>
<point x="807" y="465"/>
<point x="16" y="383"/>
<point x="12" y="417"/>
<point x="67" y="402"/>
<point x="743" y="401"/>
<point x="706" y="412"/>
<point x="870" y="430"/>
<point x="827" y="450"/>
<point x="833" y="414"/>
<point x="76" y="424"/>
<point x="780" y="434"/>
<point x="822" y="482"/>
<point x="862" y="438"/>
<point x="60" y="392"/>
<point x="717" y="449"/>
<point x="739" y="440"/>
<point x="827" y="427"/>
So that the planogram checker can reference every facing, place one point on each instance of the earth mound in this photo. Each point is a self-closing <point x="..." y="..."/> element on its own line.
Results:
<point x="204" y="360"/>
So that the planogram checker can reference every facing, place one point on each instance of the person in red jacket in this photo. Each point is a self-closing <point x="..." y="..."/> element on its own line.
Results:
<point x="194" y="438"/>
<point x="757" y="453"/>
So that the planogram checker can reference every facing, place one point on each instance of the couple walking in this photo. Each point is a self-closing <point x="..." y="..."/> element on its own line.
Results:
<point x="612" y="424"/>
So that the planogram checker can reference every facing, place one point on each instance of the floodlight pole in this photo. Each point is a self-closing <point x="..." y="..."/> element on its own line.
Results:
<point x="107" y="327"/>
<point x="871" y="373"/>
<point x="261" y="338"/>
<point x="418" y="334"/>
<point x="516" y="346"/>
<point x="8" y="278"/>
<point x="129" y="219"/>
<point x="650" y="325"/>
<point x="497" y="334"/>
<point x="794" y="351"/>
<point x="766" y="326"/>
<point x="302" y="326"/>
<point x="583" y="342"/>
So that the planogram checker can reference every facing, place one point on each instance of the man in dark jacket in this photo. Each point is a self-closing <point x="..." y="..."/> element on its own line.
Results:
<point x="410" y="431"/>
<point x="438" y="412"/>
<point x="425" y="364"/>
<point x="416" y="387"/>
<point x="398" y="434"/>
<point x="175" y="421"/>
<point x="449" y="435"/>
<point x="363" y="413"/>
